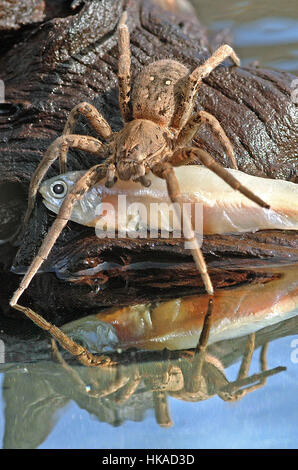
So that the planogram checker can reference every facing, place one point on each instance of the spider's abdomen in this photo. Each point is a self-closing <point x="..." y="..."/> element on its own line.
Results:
<point x="157" y="91"/>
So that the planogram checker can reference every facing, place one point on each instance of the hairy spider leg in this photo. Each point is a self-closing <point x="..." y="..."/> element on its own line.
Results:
<point x="194" y="378"/>
<point x="96" y="121"/>
<point x="242" y="386"/>
<point x="191" y="127"/>
<point x="166" y="171"/>
<point x="194" y="80"/>
<point x="89" y="179"/>
<point x="187" y="154"/>
<point x="124" y="74"/>
<point x="61" y="144"/>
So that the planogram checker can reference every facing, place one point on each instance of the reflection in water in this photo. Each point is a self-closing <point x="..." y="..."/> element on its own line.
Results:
<point x="177" y="324"/>
<point x="145" y="379"/>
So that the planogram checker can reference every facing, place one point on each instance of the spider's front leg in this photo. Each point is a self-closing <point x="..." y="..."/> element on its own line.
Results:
<point x="194" y="80"/>
<point x="56" y="149"/>
<point x="166" y="171"/>
<point x="161" y="408"/>
<point x="95" y="119"/>
<point x="194" y="123"/>
<point x="89" y="179"/>
<point x="118" y="382"/>
<point x="124" y="74"/>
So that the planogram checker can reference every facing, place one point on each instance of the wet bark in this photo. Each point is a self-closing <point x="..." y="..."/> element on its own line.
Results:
<point x="54" y="57"/>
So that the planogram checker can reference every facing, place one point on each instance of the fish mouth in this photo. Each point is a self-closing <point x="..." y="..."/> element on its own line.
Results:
<point x="52" y="207"/>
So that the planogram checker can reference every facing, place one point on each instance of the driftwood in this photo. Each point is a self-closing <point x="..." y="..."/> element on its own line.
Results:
<point x="57" y="57"/>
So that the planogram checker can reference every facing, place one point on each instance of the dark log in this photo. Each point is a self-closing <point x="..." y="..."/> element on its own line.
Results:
<point x="50" y="66"/>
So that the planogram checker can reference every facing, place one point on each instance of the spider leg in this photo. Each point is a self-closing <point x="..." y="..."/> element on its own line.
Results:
<point x="195" y="78"/>
<point x="124" y="393"/>
<point x="161" y="408"/>
<point x="191" y="127"/>
<point x="60" y="145"/>
<point x="247" y="357"/>
<point x="237" y="394"/>
<point x="187" y="154"/>
<point x="121" y="386"/>
<point x="124" y="74"/>
<point x="91" y="177"/>
<point x="234" y="391"/>
<point x="96" y="120"/>
<point x="194" y="378"/>
<point x="166" y="171"/>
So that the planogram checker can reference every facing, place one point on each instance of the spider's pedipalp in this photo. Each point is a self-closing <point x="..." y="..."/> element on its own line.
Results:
<point x="146" y="182"/>
<point x="111" y="176"/>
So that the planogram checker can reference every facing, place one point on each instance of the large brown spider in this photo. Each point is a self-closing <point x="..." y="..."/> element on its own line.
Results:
<point x="158" y="123"/>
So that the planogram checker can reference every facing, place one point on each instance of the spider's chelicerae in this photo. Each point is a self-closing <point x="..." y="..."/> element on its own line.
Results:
<point x="158" y="125"/>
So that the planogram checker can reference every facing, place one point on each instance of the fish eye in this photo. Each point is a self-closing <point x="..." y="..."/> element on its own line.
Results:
<point x="59" y="189"/>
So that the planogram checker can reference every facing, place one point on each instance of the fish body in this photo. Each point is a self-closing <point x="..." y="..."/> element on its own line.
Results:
<point x="177" y="323"/>
<point x="223" y="209"/>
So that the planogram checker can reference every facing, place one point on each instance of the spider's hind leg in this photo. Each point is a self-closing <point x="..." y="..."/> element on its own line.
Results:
<point x="188" y="154"/>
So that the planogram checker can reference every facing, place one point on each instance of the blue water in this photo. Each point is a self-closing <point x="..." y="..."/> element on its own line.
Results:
<point x="262" y="31"/>
<point x="265" y="418"/>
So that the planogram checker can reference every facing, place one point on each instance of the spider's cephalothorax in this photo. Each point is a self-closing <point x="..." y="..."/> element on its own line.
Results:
<point x="151" y="136"/>
<point x="138" y="147"/>
<point x="158" y="126"/>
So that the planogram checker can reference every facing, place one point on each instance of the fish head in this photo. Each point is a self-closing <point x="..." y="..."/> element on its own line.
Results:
<point x="55" y="190"/>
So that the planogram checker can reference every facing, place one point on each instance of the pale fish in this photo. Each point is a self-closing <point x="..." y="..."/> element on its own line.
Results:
<point x="177" y="323"/>
<point x="224" y="209"/>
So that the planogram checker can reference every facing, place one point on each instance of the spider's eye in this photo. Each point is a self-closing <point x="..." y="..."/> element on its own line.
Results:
<point x="59" y="189"/>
